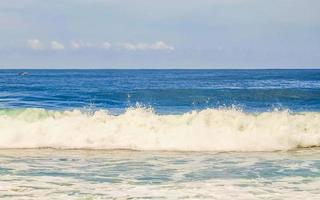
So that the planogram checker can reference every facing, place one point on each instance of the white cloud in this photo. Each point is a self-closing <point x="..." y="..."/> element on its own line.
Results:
<point x="75" y="45"/>
<point x="56" y="45"/>
<point x="129" y="46"/>
<point x="35" y="44"/>
<point x="81" y="44"/>
<point x="159" y="45"/>
<point x="106" y="45"/>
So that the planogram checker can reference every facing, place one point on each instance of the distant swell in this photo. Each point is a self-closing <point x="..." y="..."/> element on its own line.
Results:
<point x="142" y="129"/>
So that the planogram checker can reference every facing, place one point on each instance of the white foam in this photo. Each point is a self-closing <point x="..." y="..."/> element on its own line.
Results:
<point x="50" y="187"/>
<point x="142" y="129"/>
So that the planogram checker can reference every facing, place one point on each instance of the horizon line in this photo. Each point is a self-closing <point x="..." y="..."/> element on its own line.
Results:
<point x="156" y="68"/>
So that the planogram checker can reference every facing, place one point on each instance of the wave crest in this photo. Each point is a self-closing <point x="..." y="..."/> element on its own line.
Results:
<point x="143" y="129"/>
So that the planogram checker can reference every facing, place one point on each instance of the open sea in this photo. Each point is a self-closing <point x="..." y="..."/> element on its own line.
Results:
<point x="160" y="134"/>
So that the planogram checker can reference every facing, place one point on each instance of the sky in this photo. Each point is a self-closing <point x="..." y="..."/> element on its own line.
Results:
<point x="159" y="34"/>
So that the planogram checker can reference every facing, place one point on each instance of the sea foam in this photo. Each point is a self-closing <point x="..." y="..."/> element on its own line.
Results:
<point x="143" y="129"/>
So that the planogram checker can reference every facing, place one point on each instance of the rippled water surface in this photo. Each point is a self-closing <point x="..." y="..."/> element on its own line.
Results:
<point x="84" y="174"/>
<point x="168" y="91"/>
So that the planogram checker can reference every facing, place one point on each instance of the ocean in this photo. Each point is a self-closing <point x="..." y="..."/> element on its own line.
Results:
<point x="160" y="134"/>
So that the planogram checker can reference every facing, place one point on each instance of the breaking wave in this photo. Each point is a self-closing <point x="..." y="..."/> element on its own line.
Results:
<point x="143" y="129"/>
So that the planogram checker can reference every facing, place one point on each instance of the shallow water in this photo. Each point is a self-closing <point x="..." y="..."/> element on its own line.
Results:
<point x="93" y="174"/>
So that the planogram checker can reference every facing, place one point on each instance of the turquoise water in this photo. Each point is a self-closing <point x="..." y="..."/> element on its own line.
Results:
<point x="160" y="134"/>
<point x="85" y="174"/>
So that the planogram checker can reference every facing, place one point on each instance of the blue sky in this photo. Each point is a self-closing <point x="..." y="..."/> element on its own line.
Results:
<point x="160" y="34"/>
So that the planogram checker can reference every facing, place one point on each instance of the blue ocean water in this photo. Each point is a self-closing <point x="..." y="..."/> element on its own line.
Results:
<point x="167" y="91"/>
<point x="160" y="134"/>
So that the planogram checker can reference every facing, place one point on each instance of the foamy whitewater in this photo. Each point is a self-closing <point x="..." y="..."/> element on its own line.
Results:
<point x="160" y="134"/>
<point x="93" y="174"/>
<point x="143" y="129"/>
